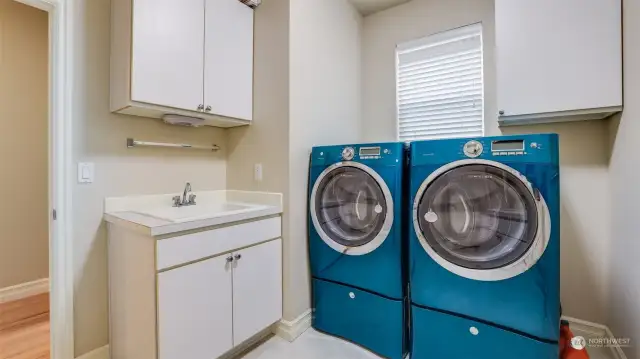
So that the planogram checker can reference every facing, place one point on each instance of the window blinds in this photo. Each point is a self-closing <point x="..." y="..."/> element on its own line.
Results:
<point x="440" y="85"/>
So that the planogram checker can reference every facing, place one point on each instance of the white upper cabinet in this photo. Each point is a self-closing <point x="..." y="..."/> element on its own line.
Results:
<point x="183" y="57"/>
<point x="168" y="57"/>
<point x="228" y="85"/>
<point x="558" y="60"/>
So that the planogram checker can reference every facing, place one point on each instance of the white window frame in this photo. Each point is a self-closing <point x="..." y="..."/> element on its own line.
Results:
<point x="424" y="39"/>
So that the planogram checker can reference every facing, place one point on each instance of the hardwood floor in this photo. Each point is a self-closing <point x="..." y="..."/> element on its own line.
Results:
<point x="24" y="328"/>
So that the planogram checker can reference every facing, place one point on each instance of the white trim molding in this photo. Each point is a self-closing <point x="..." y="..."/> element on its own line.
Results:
<point x="590" y="329"/>
<point x="100" y="353"/>
<point x="24" y="290"/>
<point x="61" y="171"/>
<point x="291" y="330"/>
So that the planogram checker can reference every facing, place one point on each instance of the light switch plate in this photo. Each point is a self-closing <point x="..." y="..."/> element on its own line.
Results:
<point x="257" y="172"/>
<point x="86" y="172"/>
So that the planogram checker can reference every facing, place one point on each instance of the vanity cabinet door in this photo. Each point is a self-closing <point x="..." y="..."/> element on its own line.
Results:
<point x="257" y="289"/>
<point x="168" y="53"/>
<point x="194" y="310"/>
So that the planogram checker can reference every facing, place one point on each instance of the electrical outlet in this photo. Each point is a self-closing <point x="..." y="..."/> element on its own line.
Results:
<point x="257" y="172"/>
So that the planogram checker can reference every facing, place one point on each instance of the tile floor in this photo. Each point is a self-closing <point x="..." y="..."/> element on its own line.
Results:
<point x="314" y="345"/>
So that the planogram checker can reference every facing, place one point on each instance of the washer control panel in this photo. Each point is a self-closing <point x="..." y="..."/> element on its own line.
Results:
<point x="348" y="153"/>
<point x="473" y="149"/>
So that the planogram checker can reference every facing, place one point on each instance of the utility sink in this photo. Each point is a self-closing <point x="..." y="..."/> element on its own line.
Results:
<point x="198" y="211"/>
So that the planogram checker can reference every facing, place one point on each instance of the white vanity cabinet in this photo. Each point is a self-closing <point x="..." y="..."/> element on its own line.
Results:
<point x="558" y="60"/>
<point x="193" y="295"/>
<point x="195" y="310"/>
<point x="187" y="57"/>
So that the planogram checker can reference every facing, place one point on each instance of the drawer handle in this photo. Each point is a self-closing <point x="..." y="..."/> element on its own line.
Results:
<point x="238" y="257"/>
<point x="474" y="331"/>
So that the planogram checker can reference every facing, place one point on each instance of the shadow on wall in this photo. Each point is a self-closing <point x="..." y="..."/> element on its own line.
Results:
<point x="585" y="215"/>
<point x="100" y="137"/>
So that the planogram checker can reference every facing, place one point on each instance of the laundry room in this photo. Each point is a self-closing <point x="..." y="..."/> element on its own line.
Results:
<point x="500" y="70"/>
<point x="329" y="179"/>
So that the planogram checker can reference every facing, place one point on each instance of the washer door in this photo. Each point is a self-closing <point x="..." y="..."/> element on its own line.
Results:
<point x="481" y="220"/>
<point x="351" y="208"/>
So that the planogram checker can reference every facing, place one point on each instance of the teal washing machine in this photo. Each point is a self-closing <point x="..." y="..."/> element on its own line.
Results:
<point x="484" y="248"/>
<point x="357" y="245"/>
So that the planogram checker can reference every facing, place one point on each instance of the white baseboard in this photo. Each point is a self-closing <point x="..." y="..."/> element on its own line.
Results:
<point x="24" y="290"/>
<point x="290" y="330"/>
<point x="100" y="353"/>
<point x="584" y="327"/>
<point x="248" y="345"/>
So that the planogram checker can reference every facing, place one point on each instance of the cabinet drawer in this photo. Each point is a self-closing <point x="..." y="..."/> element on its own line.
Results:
<point x="192" y="247"/>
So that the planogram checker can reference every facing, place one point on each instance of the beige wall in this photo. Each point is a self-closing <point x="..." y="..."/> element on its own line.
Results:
<point x="624" y="282"/>
<point x="585" y="218"/>
<point x="306" y="86"/>
<point x="267" y="140"/>
<point x="99" y="137"/>
<point x="325" y="109"/>
<point x="24" y="218"/>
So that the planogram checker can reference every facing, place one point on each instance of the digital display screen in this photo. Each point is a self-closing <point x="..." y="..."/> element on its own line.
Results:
<point x="369" y="151"/>
<point x="507" y="145"/>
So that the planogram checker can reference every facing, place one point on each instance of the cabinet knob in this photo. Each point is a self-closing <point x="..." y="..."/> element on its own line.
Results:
<point x="229" y="259"/>
<point x="238" y="257"/>
<point x="501" y="112"/>
<point x="200" y="107"/>
<point x="208" y="109"/>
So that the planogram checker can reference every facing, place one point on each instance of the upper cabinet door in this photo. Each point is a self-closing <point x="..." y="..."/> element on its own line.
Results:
<point x="257" y="289"/>
<point x="194" y="310"/>
<point x="558" y="56"/>
<point x="229" y="59"/>
<point x="167" y="53"/>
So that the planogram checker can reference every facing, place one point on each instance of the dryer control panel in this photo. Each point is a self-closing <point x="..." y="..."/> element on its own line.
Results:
<point x="516" y="148"/>
<point x="379" y="153"/>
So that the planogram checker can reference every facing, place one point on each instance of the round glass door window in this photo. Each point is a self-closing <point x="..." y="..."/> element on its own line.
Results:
<point x="478" y="217"/>
<point x="350" y="207"/>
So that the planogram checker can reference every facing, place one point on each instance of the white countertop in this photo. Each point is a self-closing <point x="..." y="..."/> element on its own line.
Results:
<point x="137" y="213"/>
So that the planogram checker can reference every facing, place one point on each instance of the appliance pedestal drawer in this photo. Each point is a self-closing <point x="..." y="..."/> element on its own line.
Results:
<point x="369" y="320"/>
<point x="441" y="335"/>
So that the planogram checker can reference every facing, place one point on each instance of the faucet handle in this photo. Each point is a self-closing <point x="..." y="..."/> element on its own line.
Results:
<point x="176" y="201"/>
<point x="192" y="199"/>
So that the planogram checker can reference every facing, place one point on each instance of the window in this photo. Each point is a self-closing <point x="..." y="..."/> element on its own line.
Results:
<point x="440" y="85"/>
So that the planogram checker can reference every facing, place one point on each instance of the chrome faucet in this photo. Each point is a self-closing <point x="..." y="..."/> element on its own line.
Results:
<point x="180" y="202"/>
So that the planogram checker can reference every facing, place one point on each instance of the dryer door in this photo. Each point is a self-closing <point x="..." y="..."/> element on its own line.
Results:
<point x="351" y="208"/>
<point x="481" y="220"/>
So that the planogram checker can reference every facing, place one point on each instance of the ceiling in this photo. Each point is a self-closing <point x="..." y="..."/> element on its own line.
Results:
<point x="368" y="7"/>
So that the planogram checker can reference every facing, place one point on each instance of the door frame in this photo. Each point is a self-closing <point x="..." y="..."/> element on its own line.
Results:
<point x="60" y="174"/>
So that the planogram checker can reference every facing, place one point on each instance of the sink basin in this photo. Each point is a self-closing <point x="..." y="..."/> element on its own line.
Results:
<point x="198" y="211"/>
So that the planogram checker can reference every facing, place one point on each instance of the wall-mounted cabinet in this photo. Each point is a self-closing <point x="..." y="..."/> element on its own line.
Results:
<point x="558" y="60"/>
<point x="187" y="57"/>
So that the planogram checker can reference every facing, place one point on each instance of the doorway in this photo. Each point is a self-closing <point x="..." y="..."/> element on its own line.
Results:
<point x="24" y="181"/>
